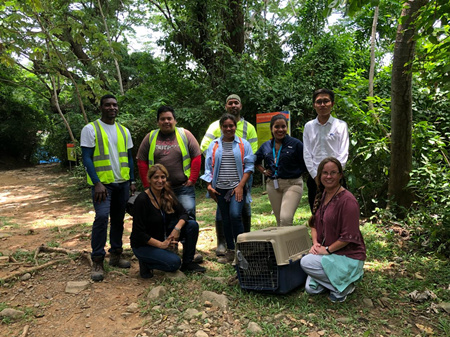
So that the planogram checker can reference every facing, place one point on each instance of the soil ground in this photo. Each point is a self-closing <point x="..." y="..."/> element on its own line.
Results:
<point x="36" y="210"/>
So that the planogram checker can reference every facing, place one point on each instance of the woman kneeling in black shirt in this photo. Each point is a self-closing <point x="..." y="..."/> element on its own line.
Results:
<point x="159" y="223"/>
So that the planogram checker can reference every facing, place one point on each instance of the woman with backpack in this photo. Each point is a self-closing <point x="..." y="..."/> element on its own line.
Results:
<point x="228" y="166"/>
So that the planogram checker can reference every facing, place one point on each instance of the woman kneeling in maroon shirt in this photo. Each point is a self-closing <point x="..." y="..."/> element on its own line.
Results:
<point x="338" y="252"/>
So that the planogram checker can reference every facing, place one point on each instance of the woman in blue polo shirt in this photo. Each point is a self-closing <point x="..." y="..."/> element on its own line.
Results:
<point x="283" y="166"/>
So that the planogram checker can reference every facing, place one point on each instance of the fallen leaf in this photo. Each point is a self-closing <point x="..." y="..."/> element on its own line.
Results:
<point x="418" y="276"/>
<point x="425" y="329"/>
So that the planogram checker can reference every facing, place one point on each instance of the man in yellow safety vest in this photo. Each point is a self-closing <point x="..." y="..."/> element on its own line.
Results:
<point x="106" y="151"/>
<point x="178" y="150"/>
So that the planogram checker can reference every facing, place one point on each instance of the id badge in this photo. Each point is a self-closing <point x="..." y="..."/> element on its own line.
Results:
<point x="275" y="184"/>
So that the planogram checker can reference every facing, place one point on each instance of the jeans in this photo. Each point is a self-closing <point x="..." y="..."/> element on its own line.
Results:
<point x="186" y="196"/>
<point x="165" y="260"/>
<point x="285" y="199"/>
<point x="247" y="207"/>
<point x="231" y="212"/>
<point x="114" y="208"/>
<point x="246" y="213"/>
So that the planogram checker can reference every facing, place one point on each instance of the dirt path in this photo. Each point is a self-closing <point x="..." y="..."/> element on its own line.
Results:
<point x="35" y="211"/>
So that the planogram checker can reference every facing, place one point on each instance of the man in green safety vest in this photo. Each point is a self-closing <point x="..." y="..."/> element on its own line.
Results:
<point x="178" y="150"/>
<point x="244" y="130"/>
<point x="106" y="151"/>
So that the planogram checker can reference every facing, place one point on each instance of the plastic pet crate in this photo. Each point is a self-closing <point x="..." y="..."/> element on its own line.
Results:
<point x="269" y="259"/>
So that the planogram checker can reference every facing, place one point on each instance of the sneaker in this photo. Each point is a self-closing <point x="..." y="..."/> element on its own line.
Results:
<point x="228" y="258"/>
<point x="192" y="267"/>
<point x="334" y="299"/>
<point x="97" y="271"/>
<point x="144" y="271"/>
<point x="116" y="260"/>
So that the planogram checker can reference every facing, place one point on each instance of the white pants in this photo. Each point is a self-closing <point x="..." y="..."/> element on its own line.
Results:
<point x="285" y="199"/>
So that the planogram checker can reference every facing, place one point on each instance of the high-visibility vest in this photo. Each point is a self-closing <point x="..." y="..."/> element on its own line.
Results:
<point x="102" y="161"/>
<point x="182" y="143"/>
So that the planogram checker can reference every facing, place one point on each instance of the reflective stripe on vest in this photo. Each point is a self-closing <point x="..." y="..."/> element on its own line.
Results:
<point x="101" y="159"/>
<point x="182" y="143"/>
<point x="244" y="130"/>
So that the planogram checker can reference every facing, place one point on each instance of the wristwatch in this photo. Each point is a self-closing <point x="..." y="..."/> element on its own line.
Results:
<point x="328" y="250"/>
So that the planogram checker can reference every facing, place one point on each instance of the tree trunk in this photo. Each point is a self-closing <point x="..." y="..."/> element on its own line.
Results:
<point x="55" y="101"/>
<point x="119" y="74"/>
<point x="401" y="106"/>
<point x="234" y="22"/>
<point x="372" y="55"/>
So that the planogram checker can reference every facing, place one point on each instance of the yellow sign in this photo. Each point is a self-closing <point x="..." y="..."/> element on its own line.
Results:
<point x="71" y="152"/>
<point x="263" y="125"/>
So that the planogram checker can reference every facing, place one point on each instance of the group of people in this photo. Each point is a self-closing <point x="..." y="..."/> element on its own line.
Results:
<point x="169" y="161"/>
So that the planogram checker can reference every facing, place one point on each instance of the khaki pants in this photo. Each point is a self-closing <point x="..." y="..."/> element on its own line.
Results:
<point x="285" y="199"/>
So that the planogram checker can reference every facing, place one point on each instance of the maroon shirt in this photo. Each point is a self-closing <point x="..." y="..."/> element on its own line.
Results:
<point x="168" y="153"/>
<point x="339" y="220"/>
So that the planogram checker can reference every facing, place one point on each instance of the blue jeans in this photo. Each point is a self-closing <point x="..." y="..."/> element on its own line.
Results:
<point x="186" y="197"/>
<point x="231" y="212"/>
<point x="114" y="208"/>
<point x="247" y="207"/>
<point x="165" y="260"/>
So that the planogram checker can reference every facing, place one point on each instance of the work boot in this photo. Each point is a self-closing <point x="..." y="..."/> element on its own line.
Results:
<point x="221" y="242"/>
<point x="247" y="222"/>
<point x="116" y="260"/>
<point x="97" y="269"/>
<point x="228" y="258"/>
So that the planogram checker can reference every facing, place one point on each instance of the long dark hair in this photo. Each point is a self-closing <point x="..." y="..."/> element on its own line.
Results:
<point x="321" y="188"/>
<point x="168" y="198"/>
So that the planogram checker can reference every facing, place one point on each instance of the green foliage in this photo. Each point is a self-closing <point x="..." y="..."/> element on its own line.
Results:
<point x="433" y="39"/>
<point x="430" y="217"/>
<point x="369" y="158"/>
<point x="21" y="120"/>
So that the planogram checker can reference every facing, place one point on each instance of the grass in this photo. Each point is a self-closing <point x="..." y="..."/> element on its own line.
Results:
<point x="5" y="223"/>
<point x="393" y="270"/>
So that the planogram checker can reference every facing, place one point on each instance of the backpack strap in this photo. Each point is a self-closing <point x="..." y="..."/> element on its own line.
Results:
<point x="241" y="147"/>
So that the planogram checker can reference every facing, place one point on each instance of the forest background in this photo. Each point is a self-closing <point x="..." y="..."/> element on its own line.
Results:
<point x="387" y="61"/>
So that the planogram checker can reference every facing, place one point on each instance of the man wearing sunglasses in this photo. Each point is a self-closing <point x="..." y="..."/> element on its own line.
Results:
<point x="325" y="136"/>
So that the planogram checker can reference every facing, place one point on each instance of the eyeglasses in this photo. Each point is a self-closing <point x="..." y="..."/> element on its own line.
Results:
<point x="322" y="101"/>
<point x="332" y="173"/>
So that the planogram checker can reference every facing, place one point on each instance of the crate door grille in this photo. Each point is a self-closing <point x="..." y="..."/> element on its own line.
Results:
<point x="262" y="272"/>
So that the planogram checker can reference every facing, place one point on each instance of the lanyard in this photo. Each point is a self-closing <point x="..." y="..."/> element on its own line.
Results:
<point x="163" y="214"/>
<point x="276" y="158"/>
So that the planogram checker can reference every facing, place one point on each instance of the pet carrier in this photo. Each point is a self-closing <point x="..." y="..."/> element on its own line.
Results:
<point x="269" y="259"/>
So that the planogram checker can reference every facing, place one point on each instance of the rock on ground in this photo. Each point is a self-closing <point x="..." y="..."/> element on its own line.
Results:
<point x="156" y="293"/>
<point x="11" y="313"/>
<point x="218" y="300"/>
<point x="254" y="328"/>
<point x="75" y="287"/>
